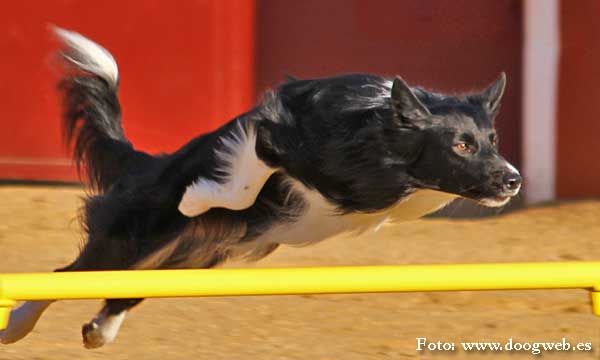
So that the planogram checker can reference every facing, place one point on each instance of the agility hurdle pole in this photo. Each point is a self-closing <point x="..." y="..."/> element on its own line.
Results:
<point x="288" y="281"/>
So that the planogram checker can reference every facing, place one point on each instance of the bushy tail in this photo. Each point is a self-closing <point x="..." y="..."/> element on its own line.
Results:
<point x="91" y="110"/>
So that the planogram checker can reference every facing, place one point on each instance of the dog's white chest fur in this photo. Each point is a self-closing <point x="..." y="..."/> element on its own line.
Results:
<point x="320" y="220"/>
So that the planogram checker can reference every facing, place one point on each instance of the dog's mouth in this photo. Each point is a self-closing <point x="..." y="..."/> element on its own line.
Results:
<point x="500" y="199"/>
<point x="496" y="201"/>
<point x="491" y="198"/>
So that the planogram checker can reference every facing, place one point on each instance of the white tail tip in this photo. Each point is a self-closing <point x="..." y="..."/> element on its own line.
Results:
<point x="86" y="55"/>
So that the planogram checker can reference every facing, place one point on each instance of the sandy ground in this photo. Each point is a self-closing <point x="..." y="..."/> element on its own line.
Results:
<point x="39" y="231"/>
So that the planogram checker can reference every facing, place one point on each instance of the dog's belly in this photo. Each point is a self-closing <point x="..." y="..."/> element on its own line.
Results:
<point x="320" y="220"/>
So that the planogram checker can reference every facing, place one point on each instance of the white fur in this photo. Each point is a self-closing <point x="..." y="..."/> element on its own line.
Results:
<point x="22" y="320"/>
<point x="245" y="176"/>
<point x="494" y="202"/>
<point x="104" y="329"/>
<point x="89" y="56"/>
<point x="419" y="204"/>
<point x="321" y="221"/>
<point x="512" y="168"/>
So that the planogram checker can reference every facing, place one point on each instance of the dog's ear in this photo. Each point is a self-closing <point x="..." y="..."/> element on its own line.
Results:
<point x="492" y="95"/>
<point x="290" y="78"/>
<point x="406" y="104"/>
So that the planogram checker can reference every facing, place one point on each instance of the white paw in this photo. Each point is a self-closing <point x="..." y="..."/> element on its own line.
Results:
<point x="102" y="330"/>
<point x="92" y="336"/>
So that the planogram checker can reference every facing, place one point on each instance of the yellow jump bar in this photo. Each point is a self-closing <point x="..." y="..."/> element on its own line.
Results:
<point x="287" y="281"/>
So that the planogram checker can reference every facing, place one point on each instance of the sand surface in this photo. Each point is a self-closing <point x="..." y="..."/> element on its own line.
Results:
<point x="39" y="232"/>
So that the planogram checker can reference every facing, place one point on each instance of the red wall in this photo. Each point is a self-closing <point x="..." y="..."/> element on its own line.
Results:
<point x="578" y="144"/>
<point x="186" y="67"/>
<point x="450" y="45"/>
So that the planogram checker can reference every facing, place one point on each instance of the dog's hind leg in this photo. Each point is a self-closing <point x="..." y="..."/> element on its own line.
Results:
<point x="22" y="320"/>
<point x="96" y="255"/>
<point x="104" y="328"/>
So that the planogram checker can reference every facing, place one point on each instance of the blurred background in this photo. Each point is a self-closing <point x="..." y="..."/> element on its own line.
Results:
<point x="188" y="66"/>
<point x="191" y="65"/>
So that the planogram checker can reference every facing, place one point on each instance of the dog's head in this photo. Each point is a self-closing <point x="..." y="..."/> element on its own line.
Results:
<point x="459" y="146"/>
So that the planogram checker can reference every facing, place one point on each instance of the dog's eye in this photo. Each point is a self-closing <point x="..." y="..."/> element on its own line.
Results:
<point x="463" y="147"/>
<point x="494" y="139"/>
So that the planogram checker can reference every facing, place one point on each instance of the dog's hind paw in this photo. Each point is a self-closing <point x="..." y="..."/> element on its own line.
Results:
<point x="15" y="332"/>
<point x="92" y="335"/>
<point x="102" y="330"/>
<point x="9" y="337"/>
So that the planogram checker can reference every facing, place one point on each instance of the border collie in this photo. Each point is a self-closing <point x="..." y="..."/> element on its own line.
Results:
<point x="315" y="158"/>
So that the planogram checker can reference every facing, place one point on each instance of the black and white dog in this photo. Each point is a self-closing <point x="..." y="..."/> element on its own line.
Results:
<point x="314" y="159"/>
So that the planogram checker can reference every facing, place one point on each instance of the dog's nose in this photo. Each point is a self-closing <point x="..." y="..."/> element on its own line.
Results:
<point x="512" y="182"/>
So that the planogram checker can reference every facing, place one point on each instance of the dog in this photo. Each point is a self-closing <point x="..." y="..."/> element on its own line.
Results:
<point x="315" y="158"/>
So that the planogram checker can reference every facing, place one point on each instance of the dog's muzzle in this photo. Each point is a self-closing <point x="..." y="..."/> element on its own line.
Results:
<point x="508" y="184"/>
